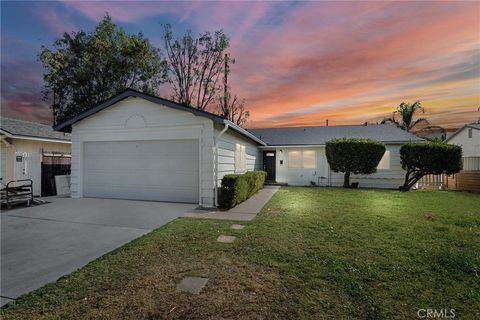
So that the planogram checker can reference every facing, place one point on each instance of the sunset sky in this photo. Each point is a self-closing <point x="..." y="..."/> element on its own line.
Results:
<point x="296" y="63"/>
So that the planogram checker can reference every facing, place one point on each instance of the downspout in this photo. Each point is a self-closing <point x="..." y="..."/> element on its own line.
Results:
<point x="216" y="162"/>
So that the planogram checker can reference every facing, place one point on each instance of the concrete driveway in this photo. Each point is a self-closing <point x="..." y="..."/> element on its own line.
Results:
<point x="42" y="243"/>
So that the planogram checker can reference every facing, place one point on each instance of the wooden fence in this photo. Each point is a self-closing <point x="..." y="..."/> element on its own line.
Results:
<point x="464" y="181"/>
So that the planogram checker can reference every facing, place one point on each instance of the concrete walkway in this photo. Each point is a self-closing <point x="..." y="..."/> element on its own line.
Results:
<point x="245" y="211"/>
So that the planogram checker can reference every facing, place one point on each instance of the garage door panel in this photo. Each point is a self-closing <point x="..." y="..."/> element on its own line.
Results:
<point x="142" y="170"/>
<point x="132" y="178"/>
<point x="177" y="166"/>
<point x="152" y="147"/>
<point x="146" y="193"/>
<point x="146" y="163"/>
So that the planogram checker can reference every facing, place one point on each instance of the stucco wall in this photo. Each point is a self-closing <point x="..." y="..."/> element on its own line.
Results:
<point x="32" y="150"/>
<point x="226" y="152"/>
<point x="301" y="176"/>
<point x="37" y="146"/>
<point x="138" y="119"/>
<point x="470" y="146"/>
<point x="3" y="162"/>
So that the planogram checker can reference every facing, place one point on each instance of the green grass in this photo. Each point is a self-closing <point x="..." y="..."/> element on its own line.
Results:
<point x="314" y="253"/>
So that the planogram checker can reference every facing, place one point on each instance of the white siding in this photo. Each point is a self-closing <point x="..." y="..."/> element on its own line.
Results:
<point x="470" y="146"/>
<point x="226" y="152"/>
<point x="136" y="119"/>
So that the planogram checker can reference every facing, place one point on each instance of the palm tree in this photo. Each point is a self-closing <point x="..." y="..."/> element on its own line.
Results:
<point x="406" y="112"/>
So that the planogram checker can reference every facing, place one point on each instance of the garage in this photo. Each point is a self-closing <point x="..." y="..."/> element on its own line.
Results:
<point x="141" y="147"/>
<point x="155" y="170"/>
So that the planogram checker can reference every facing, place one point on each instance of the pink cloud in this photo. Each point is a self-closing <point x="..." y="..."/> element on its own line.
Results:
<point x="129" y="11"/>
<point x="301" y="62"/>
<point x="57" y="22"/>
<point x="374" y="48"/>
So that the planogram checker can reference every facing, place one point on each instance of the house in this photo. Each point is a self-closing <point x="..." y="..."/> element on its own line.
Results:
<point x="138" y="146"/>
<point x="468" y="137"/>
<point x="296" y="156"/>
<point x="25" y="146"/>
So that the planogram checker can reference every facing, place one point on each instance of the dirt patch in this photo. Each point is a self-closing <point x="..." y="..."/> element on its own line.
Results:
<point x="274" y="211"/>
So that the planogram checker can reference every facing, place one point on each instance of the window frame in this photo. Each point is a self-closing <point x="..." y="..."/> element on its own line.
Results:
<point x="302" y="159"/>
<point x="240" y="158"/>
<point x="290" y="166"/>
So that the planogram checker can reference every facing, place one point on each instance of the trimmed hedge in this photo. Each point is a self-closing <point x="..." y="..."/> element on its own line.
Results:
<point x="354" y="156"/>
<point x="237" y="188"/>
<point x="421" y="158"/>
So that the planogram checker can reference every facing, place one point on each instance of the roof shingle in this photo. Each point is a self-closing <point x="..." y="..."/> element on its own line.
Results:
<point x="24" y="128"/>
<point x="321" y="134"/>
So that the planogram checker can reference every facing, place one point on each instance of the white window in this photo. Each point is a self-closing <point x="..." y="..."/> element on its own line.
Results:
<point x="384" y="163"/>
<point x="240" y="157"/>
<point x="309" y="159"/>
<point x="302" y="159"/>
<point x="294" y="159"/>
<point x="470" y="132"/>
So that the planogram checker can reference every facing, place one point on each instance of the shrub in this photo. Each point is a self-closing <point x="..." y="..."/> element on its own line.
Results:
<point x="354" y="155"/>
<point x="256" y="180"/>
<point x="237" y="188"/>
<point x="422" y="158"/>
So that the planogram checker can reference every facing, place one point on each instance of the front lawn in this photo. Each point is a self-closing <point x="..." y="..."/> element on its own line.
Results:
<point x="311" y="253"/>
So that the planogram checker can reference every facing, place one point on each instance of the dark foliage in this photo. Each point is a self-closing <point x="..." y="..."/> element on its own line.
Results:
<point x="237" y="188"/>
<point x="422" y="158"/>
<point x="354" y="156"/>
<point x="83" y="69"/>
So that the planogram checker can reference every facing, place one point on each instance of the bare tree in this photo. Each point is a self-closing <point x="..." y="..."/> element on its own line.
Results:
<point x="233" y="109"/>
<point x="196" y="66"/>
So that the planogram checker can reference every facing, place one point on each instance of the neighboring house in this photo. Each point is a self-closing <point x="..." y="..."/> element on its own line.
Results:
<point x="468" y="137"/>
<point x="24" y="145"/>
<point x="138" y="146"/>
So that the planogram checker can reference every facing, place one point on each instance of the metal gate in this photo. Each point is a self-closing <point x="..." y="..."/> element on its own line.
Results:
<point x="53" y="164"/>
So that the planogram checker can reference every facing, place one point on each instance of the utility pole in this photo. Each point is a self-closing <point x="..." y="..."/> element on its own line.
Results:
<point x="225" y="84"/>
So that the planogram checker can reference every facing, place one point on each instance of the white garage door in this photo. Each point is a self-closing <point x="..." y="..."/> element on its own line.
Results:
<point x="160" y="170"/>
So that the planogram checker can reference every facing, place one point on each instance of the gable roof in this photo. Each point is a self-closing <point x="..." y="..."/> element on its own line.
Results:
<point x="321" y="134"/>
<point x="468" y="125"/>
<point x="66" y="126"/>
<point x="17" y="128"/>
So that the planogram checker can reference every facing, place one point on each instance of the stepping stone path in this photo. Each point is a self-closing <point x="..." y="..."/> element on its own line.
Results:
<point x="192" y="284"/>
<point x="226" y="239"/>
<point x="195" y="285"/>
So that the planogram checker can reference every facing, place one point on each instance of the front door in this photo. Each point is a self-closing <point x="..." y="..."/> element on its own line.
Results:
<point x="269" y="164"/>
